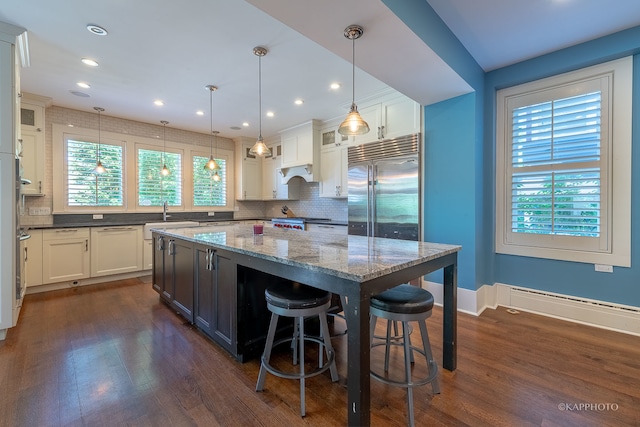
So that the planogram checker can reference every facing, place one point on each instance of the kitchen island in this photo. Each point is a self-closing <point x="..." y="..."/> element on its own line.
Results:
<point x="354" y="266"/>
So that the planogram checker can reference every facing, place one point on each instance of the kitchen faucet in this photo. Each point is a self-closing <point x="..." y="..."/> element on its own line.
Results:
<point x="165" y="208"/>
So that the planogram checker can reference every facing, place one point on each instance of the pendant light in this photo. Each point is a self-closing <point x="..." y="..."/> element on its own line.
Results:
<point x="353" y="124"/>
<point x="216" y="176"/>
<point x="212" y="164"/>
<point x="165" y="169"/>
<point x="259" y="148"/>
<point x="99" y="169"/>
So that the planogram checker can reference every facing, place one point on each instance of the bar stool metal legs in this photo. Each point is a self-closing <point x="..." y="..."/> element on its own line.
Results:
<point x="405" y="303"/>
<point x="298" y="301"/>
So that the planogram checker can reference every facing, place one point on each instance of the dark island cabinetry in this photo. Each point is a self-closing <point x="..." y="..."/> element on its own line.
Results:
<point x="207" y="287"/>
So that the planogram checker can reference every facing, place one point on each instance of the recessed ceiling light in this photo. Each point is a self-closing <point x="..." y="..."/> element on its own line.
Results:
<point x="97" y="30"/>
<point x="270" y="114"/>
<point x="298" y="102"/>
<point x="89" y="62"/>
<point x="200" y="113"/>
<point x="335" y="86"/>
<point x="83" y="85"/>
<point x="80" y="94"/>
<point x="245" y="124"/>
<point x="158" y="102"/>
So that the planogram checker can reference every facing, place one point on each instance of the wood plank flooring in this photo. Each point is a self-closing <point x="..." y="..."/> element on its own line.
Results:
<point x="113" y="355"/>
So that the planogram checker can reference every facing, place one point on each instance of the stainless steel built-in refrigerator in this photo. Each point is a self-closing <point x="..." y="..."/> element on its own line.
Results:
<point x="384" y="189"/>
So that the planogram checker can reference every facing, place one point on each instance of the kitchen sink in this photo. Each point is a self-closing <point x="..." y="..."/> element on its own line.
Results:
<point x="165" y="225"/>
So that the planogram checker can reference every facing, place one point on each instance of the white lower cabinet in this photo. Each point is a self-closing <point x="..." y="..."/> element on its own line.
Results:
<point x="65" y="254"/>
<point x="115" y="250"/>
<point x="33" y="259"/>
<point x="147" y="254"/>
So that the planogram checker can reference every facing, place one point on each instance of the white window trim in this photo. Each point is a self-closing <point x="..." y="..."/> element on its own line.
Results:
<point x="619" y="183"/>
<point x="60" y="135"/>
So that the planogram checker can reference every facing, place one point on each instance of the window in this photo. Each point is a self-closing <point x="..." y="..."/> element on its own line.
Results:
<point x="206" y="190"/>
<point x="153" y="187"/>
<point x="556" y="169"/>
<point x="84" y="188"/>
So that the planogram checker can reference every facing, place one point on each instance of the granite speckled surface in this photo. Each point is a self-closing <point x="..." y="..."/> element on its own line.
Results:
<point x="355" y="258"/>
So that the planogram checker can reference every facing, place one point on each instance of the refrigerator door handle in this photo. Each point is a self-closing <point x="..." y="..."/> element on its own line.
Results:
<point x="373" y="170"/>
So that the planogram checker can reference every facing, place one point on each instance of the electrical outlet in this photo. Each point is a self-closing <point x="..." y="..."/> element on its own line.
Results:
<point x="211" y="213"/>
<point x="97" y="216"/>
<point x="604" y="268"/>
<point x="40" y="211"/>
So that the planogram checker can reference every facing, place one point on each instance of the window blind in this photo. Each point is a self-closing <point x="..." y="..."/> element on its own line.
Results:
<point x="206" y="191"/>
<point x="555" y="167"/>
<point x="84" y="188"/>
<point x="153" y="187"/>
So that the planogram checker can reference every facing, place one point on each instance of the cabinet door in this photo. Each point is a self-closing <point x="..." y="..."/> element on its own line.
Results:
<point x="225" y="302"/>
<point x="65" y="255"/>
<point x="333" y="167"/>
<point x="250" y="188"/>
<point x="33" y="266"/>
<point x="371" y="115"/>
<point x="401" y="117"/>
<point x="182" y="265"/>
<point x="157" y="272"/>
<point x="269" y="177"/>
<point x="204" y="289"/>
<point x="32" y="161"/>
<point x="115" y="250"/>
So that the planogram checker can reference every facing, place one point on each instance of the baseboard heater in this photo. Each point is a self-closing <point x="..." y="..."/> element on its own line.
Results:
<point x="591" y="312"/>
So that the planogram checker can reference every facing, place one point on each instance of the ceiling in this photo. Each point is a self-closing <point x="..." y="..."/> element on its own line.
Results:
<point x="168" y="50"/>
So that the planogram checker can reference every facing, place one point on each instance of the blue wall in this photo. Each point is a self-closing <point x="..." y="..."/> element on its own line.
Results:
<point x="465" y="127"/>
<point x="578" y="279"/>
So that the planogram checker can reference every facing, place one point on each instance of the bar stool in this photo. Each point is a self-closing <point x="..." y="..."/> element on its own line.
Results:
<point x="298" y="301"/>
<point x="405" y="303"/>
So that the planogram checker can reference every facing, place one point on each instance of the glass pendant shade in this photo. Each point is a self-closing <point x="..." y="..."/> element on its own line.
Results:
<point x="99" y="169"/>
<point x="353" y="124"/>
<point x="212" y="164"/>
<point x="216" y="176"/>
<point x="165" y="170"/>
<point x="260" y="149"/>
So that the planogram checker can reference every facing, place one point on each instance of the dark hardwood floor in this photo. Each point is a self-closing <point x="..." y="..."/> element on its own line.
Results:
<point x="113" y="355"/>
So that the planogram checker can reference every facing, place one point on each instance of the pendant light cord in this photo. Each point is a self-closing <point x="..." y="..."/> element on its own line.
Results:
<point x="260" y="96"/>
<point x="353" y="70"/>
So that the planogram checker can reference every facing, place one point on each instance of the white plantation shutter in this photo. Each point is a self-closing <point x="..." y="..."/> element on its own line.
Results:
<point x="555" y="167"/>
<point x="84" y="188"/>
<point x="561" y="193"/>
<point x="154" y="188"/>
<point x="206" y="191"/>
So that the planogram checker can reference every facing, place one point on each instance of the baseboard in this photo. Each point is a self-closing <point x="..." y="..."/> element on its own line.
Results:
<point x="615" y="317"/>
<point x="85" y="282"/>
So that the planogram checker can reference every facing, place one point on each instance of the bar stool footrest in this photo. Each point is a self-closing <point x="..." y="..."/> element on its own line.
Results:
<point x="298" y="375"/>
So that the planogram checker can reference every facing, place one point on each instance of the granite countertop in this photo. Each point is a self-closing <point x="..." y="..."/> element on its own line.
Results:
<point x="356" y="258"/>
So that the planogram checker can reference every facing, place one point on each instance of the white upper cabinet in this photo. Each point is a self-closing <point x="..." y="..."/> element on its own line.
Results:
<point x="273" y="186"/>
<point x="300" y="144"/>
<point x="248" y="171"/>
<point x="389" y="117"/>
<point x="333" y="163"/>
<point x="31" y="143"/>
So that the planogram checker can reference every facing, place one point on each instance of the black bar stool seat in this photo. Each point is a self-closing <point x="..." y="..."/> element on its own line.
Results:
<point x="299" y="302"/>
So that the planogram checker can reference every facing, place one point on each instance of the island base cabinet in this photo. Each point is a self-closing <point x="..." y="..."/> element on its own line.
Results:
<point x="216" y="297"/>
<point x="180" y="271"/>
<point x="172" y="273"/>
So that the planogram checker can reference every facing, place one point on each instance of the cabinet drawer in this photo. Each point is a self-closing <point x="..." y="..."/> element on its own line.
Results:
<point x="65" y="233"/>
